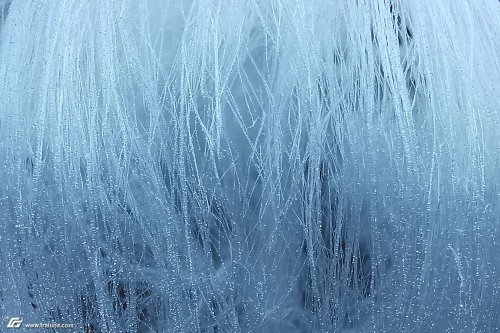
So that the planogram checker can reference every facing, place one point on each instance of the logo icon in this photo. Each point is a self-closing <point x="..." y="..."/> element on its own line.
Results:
<point x="14" y="322"/>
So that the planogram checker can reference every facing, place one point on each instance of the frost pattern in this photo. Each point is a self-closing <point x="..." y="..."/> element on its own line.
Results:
<point x="251" y="166"/>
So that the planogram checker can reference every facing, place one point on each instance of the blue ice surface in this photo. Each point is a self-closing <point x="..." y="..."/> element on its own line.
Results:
<point x="250" y="166"/>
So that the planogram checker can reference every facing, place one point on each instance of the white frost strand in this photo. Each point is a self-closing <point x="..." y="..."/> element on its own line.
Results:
<point x="241" y="166"/>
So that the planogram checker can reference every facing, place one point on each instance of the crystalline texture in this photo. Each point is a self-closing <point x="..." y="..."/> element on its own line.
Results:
<point x="250" y="166"/>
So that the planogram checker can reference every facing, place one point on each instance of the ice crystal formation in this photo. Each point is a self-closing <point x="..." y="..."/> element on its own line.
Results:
<point x="250" y="165"/>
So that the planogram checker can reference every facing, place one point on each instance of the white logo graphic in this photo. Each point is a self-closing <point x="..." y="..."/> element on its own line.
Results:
<point x="15" y="322"/>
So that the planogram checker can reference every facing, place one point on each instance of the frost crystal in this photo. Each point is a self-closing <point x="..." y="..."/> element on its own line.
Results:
<point x="250" y="165"/>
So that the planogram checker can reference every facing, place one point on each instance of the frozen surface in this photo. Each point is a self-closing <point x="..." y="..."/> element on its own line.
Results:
<point x="250" y="166"/>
